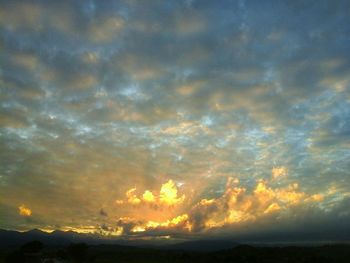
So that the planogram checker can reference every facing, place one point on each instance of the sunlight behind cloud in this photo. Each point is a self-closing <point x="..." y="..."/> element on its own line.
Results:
<point x="168" y="194"/>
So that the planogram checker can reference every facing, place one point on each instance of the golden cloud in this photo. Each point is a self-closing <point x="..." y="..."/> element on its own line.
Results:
<point x="278" y="172"/>
<point x="119" y="202"/>
<point x="24" y="211"/>
<point x="178" y="221"/>
<point x="237" y="205"/>
<point x="272" y="208"/>
<point x="148" y="197"/>
<point x="132" y="198"/>
<point x="168" y="196"/>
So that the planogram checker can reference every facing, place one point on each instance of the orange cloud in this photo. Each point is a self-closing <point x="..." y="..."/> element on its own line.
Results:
<point x="132" y="198"/>
<point x="237" y="205"/>
<point x="24" y="211"/>
<point x="167" y="196"/>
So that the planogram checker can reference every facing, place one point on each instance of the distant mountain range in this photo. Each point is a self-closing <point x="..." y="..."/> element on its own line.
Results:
<point x="10" y="238"/>
<point x="14" y="238"/>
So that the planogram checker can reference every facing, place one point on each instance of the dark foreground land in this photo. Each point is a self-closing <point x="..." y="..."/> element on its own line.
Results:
<point x="36" y="252"/>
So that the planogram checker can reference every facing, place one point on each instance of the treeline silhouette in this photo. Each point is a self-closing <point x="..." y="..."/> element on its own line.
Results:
<point x="32" y="252"/>
<point x="35" y="251"/>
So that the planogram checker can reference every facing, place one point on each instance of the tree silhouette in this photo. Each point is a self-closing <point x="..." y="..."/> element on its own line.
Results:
<point x="78" y="252"/>
<point x="29" y="252"/>
<point x="32" y="247"/>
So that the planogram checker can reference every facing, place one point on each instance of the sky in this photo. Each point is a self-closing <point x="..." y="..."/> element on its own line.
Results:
<point x="176" y="119"/>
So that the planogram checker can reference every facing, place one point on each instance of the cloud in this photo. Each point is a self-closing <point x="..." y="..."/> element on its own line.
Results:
<point x="237" y="205"/>
<point x="119" y="202"/>
<point x="148" y="197"/>
<point x="24" y="211"/>
<point x="103" y="212"/>
<point x="167" y="196"/>
<point x="278" y="172"/>
<point x="132" y="198"/>
<point x="147" y="109"/>
<point x="106" y="29"/>
<point x="133" y="227"/>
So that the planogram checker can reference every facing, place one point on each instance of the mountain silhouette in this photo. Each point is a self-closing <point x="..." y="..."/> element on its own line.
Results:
<point x="9" y="238"/>
<point x="15" y="238"/>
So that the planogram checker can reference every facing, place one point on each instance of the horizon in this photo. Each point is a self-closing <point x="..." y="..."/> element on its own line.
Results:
<point x="156" y="242"/>
<point x="176" y="120"/>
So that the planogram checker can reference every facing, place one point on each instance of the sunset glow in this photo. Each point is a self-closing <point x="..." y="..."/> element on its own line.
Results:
<point x="176" y="120"/>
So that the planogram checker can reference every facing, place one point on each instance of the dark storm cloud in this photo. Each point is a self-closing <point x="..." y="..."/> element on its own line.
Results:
<point x="98" y="97"/>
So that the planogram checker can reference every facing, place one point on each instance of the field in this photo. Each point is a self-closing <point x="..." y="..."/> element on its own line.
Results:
<point x="115" y="253"/>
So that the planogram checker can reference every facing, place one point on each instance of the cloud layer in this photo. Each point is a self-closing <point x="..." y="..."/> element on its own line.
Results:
<point x="131" y="119"/>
